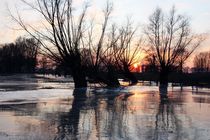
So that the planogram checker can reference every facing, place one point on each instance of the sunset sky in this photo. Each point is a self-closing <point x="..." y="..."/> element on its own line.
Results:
<point x="139" y="10"/>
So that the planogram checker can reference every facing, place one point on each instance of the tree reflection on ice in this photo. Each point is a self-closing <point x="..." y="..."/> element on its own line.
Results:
<point x="130" y="114"/>
<point x="106" y="116"/>
<point x="167" y="124"/>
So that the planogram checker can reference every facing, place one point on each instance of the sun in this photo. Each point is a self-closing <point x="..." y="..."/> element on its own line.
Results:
<point x="135" y="65"/>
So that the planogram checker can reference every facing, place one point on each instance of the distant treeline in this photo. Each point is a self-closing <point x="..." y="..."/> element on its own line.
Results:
<point x="19" y="57"/>
<point x="190" y="79"/>
<point x="202" y="62"/>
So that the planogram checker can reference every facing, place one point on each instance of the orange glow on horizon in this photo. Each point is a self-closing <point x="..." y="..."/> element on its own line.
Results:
<point x="136" y="67"/>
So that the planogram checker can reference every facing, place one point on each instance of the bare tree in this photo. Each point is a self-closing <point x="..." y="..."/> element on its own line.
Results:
<point x="170" y="40"/>
<point x="119" y="51"/>
<point x="64" y="37"/>
<point x="98" y="56"/>
<point x="107" y="59"/>
<point x="150" y="63"/>
<point x="127" y="50"/>
<point x="202" y="62"/>
<point x="31" y="48"/>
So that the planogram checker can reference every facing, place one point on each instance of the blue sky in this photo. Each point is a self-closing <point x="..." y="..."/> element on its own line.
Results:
<point x="139" y="10"/>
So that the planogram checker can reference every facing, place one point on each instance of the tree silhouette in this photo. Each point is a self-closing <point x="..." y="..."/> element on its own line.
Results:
<point x="98" y="58"/>
<point x="63" y="35"/>
<point x="127" y="51"/>
<point x="202" y="62"/>
<point x="19" y="57"/>
<point x="118" y="53"/>
<point x="170" y="41"/>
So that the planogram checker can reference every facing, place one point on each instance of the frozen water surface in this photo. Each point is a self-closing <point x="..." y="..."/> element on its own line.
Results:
<point x="43" y="108"/>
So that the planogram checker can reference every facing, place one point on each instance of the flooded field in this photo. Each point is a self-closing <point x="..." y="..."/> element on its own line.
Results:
<point x="44" y="108"/>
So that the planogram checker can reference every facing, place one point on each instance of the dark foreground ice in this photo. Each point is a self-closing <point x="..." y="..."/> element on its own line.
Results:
<point x="43" y="108"/>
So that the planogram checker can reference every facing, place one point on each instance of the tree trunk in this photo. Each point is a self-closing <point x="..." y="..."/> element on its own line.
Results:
<point x="79" y="78"/>
<point x="112" y="80"/>
<point x="163" y="77"/>
<point x="77" y="71"/>
<point x="163" y="86"/>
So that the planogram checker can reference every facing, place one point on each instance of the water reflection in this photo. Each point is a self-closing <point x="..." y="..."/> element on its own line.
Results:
<point x="129" y="114"/>
<point x="94" y="117"/>
<point x="68" y="122"/>
<point x="167" y="123"/>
